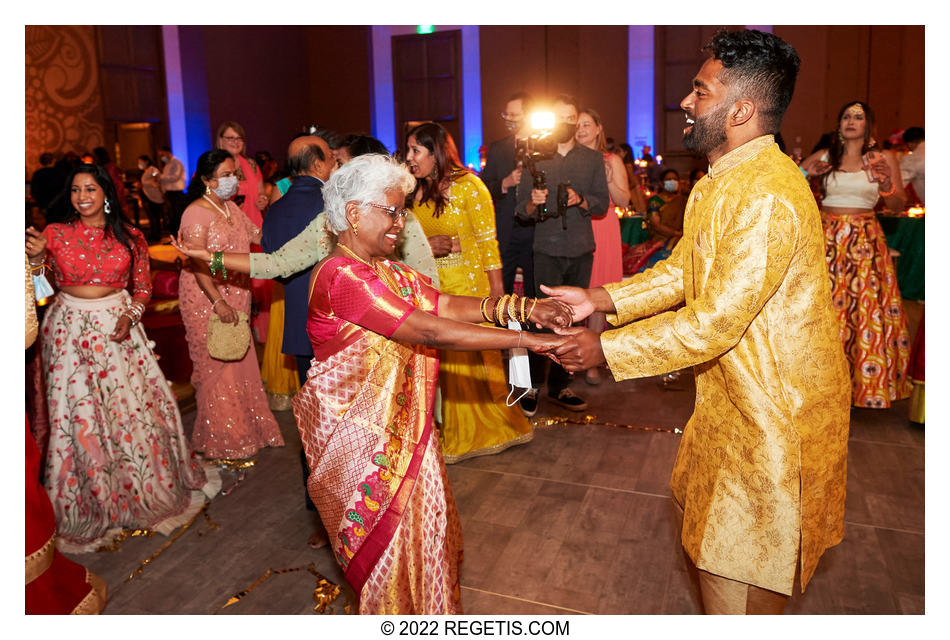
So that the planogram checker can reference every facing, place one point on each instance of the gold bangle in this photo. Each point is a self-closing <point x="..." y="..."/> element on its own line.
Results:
<point x="483" y="308"/>
<point x="524" y="301"/>
<point x="498" y="307"/>
<point x="512" y="302"/>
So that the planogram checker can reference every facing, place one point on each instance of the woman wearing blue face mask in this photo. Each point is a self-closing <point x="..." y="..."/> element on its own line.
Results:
<point x="233" y="419"/>
<point x="665" y="219"/>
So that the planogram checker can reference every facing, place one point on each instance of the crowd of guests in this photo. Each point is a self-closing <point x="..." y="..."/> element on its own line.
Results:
<point x="371" y="282"/>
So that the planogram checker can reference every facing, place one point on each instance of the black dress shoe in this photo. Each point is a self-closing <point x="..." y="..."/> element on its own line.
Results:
<point x="529" y="403"/>
<point x="569" y="400"/>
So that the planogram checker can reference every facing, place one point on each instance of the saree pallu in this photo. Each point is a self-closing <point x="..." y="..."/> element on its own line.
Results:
<point x="54" y="584"/>
<point x="377" y="476"/>
<point x="866" y="296"/>
<point x="117" y="456"/>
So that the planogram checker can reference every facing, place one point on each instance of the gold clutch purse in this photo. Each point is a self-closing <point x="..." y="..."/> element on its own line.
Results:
<point x="226" y="341"/>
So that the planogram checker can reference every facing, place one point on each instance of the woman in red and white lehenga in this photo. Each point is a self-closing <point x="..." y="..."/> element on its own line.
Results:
<point x="117" y="456"/>
<point x="364" y="414"/>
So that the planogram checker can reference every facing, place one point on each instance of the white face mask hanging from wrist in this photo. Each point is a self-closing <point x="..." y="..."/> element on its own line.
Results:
<point x="519" y="371"/>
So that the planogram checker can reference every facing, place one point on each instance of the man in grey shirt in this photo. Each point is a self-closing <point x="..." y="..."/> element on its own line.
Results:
<point x="564" y="244"/>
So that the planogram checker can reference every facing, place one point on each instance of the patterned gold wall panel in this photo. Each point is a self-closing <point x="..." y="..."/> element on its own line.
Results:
<point x="63" y="107"/>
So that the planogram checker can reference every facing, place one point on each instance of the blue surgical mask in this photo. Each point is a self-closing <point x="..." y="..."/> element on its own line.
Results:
<point x="670" y="185"/>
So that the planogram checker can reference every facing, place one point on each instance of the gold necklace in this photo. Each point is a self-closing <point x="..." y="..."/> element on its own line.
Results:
<point x="383" y="274"/>
<point x="224" y="212"/>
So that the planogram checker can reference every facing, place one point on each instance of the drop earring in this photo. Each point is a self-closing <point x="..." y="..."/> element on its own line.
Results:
<point x="108" y="208"/>
<point x="840" y="137"/>
<point x="355" y="230"/>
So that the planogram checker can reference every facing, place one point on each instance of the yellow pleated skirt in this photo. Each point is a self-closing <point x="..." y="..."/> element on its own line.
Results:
<point x="475" y="419"/>
<point x="278" y="370"/>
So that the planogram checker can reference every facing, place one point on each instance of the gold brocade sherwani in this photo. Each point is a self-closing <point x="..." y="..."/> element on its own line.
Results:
<point x="762" y="463"/>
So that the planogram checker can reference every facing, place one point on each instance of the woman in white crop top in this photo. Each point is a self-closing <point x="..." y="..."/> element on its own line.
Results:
<point x="863" y="280"/>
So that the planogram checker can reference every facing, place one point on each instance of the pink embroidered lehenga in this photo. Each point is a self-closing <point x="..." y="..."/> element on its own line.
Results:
<point x="233" y="418"/>
<point x="364" y="415"/>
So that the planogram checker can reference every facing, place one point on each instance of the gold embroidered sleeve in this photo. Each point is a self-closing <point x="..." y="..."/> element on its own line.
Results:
<point x="481" y="212"/>
<point x="746" y="265"/>
<point x="656" y="289"/>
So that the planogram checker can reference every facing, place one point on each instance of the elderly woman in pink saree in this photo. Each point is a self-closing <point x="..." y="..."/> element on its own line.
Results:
<point x="364" y="414"/>
<point x="233" y="418"/>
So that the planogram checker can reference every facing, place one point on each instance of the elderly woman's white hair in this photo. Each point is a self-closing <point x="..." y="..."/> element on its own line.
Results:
<point x="363" y="179"/>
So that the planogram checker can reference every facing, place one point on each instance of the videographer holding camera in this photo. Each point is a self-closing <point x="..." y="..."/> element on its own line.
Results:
<point x="560" y="194"/>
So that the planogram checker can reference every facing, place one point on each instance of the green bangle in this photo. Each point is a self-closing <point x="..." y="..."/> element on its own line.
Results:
<point x="217" y="264"/>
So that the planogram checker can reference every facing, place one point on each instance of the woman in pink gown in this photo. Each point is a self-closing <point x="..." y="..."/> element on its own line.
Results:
<point x="251" y="198"/>
<point x="233" y="418"/>
<point x="608" y="250"/>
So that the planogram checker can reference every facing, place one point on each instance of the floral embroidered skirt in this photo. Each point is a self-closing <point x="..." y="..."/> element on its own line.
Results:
<point x="118" y="457"/>
<point x="866" y="295"/>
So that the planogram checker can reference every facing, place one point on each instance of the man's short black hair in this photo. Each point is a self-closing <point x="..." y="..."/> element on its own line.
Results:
<point x="758" y="66"/>
<point x="567" y="98"/>
<point x="526" y="100"/>
<point x="913" y="134"/>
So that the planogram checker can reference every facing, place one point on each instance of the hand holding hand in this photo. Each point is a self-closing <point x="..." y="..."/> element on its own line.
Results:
<point x="583" y="351"/>
<point x="545" y="343"/>
<point x="35" y="244"/>
<point x="122" y="328"/>
<point x="574" y="297"/>
<point x="550" y="314"/>
<point x="441" y="245"/>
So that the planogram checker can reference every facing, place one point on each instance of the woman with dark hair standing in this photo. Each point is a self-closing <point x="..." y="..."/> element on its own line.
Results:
<point x="854" y="176"/>
<point x="455" y="210"/>
<point x="117" y="457"/>
<point x="233" y="420"/>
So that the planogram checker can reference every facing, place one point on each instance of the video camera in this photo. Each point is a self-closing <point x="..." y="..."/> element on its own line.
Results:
<point x="540" y="145"/>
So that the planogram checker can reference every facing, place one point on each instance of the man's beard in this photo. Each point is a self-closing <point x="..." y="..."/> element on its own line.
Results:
<point x="709" y="132"/>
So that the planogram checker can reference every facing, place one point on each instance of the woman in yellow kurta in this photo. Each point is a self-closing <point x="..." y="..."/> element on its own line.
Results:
<point x="455" y="210"/>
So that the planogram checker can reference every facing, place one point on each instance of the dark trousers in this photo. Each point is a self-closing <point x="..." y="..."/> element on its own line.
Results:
<point x="156" y="212"/>
<point x="556" y="271"/>
<point x="517" y="252"/>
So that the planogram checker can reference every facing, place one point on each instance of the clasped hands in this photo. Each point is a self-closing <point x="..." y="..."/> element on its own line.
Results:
<point x="574" y="348"/>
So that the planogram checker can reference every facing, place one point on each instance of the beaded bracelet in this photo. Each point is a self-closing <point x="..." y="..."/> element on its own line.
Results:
<point x="888" y="194"/>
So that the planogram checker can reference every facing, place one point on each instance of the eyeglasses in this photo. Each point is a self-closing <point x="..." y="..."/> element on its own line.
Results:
<point x="393" y="212"/>
<point x="232" y="138"/>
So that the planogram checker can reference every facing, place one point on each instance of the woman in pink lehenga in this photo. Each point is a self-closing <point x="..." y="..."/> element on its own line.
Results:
<point x="365" y="413"/>
<point x="233" y="418"/>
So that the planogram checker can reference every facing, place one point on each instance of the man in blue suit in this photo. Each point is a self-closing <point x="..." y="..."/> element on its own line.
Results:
<point x="310" y="161"/>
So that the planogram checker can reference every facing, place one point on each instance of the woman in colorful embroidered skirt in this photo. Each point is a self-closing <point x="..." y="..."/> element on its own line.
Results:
<point x="117" y="456"/>
<point x="854" y="175"/>
<point x="233" y="419"/>
<point x="456" y="212"/>
<point x="364" y="414"/>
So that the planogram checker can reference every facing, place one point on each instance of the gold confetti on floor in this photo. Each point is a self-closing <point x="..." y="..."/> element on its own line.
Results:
<point x="324" y="593"/>
<point x="552" y="421"/>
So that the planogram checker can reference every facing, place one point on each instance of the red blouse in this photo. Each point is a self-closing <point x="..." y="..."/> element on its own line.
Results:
<point x="81" y="255"/>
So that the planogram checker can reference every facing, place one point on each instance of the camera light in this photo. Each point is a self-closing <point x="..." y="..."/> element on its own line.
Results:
<point x="659" y="159"/>
<point x="542" y="120"/>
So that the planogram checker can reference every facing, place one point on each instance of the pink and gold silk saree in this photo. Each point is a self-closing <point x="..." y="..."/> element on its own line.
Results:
<point x="365" y="420"/>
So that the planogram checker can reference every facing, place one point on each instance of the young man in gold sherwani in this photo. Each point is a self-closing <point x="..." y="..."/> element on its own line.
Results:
<point x="760" y="473"/>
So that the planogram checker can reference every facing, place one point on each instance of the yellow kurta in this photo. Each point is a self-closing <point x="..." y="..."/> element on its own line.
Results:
<point x="762" y="463"/>
<point x="475" y="418"/>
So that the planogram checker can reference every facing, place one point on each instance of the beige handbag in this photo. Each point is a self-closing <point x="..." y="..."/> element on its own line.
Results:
<point x="227" y="341"/>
